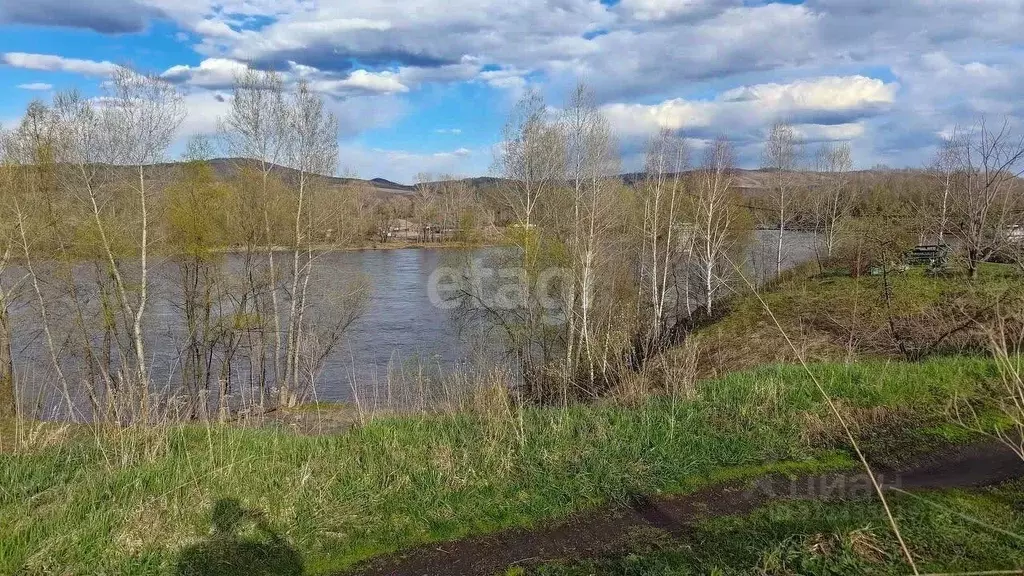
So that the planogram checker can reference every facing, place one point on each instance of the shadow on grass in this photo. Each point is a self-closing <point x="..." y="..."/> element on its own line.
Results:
<point x="228" y="552"/>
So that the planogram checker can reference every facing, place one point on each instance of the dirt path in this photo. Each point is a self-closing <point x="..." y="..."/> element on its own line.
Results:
<point x="609" y="529"/>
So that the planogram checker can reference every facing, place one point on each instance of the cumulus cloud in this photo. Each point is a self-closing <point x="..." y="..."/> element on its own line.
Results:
<point x="827" y="108"/>
<point x="710" y="66"/>
<point x="425" y="34"/>
<point x="210" y="73"/>
<point x="204" y="109"/>
<point x="829" y="100"/>
<point x="362" y="81"/>
<point x="51" y="63"/>
<point x="220" y="73"/>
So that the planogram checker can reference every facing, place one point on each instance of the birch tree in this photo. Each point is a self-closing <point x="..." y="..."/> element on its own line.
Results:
<point x="139" y="117"/>
<point x="256" y="134"/>
<point x="943" y="169"/>
<point x="8" y="396"/>
<point x="41" y="142"/>
<point x="663" y="239"/>
<point x="313" y="153"/>
<point x="713" y="213"/>
<point x="591" y="162"/>
<point x="834" y="200"/>
<point x="529" y="159"/>
<point x="986" y="200"/>
<point x="780" y="158"/>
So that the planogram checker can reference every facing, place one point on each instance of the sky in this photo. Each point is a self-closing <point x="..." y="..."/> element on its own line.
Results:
<point x="424" y="86"/>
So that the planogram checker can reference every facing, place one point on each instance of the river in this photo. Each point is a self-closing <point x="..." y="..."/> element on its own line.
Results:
<point x="399" y="330"/>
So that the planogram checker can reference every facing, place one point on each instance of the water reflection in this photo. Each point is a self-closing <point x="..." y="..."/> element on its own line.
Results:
<point x="399" y="326"/>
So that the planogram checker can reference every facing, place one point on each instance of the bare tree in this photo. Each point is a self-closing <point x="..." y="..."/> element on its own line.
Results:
<point x="8" y="397"/>
<point x="834" y="200"/>
<point x="139" y="118"/>
<point x="986" y="201"/>
<point x="313" y="153"/>
<point x="663" y="239"/>
<point x="425" y="207"/>
<point x="256" y="133"/>
<point x="591" y="162"/>
<point x="780" y="157"/>
<point x="531" y="161"/>
<point x="385" y="214"/>
<point x="713" y="213"/>
<point x="528" y="160"/>
<point x="38" y="147"/>
<point x="944" y="168"/>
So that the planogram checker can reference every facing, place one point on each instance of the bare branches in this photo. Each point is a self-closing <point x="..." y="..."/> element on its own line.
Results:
<point x="986" y="200"/>
<point x="714" y="216"/>
<point x="663" y="240"/>
<point x="833" y="201"/>
<point x="781" y="156"/>
<point x="529" y="158"/>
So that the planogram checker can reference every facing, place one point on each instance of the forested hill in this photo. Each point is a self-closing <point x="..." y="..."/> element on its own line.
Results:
<point x="749" y="182"/>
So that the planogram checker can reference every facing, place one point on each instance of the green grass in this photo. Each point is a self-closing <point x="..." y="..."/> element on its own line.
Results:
<point x="140" y="503"/>
<point x="833" y="316"/>
<point x="837" y="539"/>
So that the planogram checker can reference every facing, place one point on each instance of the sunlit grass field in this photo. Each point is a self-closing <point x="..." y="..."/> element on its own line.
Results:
<point x="130" y="501"/>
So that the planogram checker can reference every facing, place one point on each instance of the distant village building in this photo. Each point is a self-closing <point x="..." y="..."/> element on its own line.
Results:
<point x="403" y="229"/>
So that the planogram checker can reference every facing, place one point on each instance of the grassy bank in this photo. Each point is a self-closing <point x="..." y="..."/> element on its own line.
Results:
<point x="142" y="502"/>
<point x="833" y="316"/>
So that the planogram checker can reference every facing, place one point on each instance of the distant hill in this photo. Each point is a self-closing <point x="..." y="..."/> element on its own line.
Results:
<point x="749" y="182"/>
<point x="228" y="167"/>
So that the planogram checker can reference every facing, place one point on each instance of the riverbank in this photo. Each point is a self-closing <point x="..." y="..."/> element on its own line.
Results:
<point x="366" y="246"/>
<point x="141" y="501"/>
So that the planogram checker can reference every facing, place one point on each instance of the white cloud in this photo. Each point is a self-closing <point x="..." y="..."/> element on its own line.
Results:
<point x="951" y="59"/>
<point x="36" y="86"/>
<point x="832" y="93"/>
<point x="823" y="108"/>
<point x="220" y="73"/>
<point x="51" y="63"/>
<point x="214" y="28"/>
<point x="511" y="80"/>
<point x="295" y="35"/>
<point x="210" y="73"/>
<point x="466" y="69"/>
<point x="453" y="131"/>
<point x="204" y="111"/>
<point x="362" y="81"/>
<point x="829" y="133"/>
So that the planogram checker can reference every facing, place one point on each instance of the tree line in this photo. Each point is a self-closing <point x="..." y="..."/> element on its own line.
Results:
<point x="88" y="207"/>
<point x="643" y="263"/>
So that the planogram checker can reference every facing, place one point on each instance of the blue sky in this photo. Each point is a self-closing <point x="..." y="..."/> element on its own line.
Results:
<point x="424" y="85"/>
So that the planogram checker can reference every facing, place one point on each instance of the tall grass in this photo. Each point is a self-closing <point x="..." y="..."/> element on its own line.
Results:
<point x="130" y="500"/>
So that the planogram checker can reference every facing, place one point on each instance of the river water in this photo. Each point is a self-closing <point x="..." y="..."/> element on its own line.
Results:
<point x="400" y="328"/>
